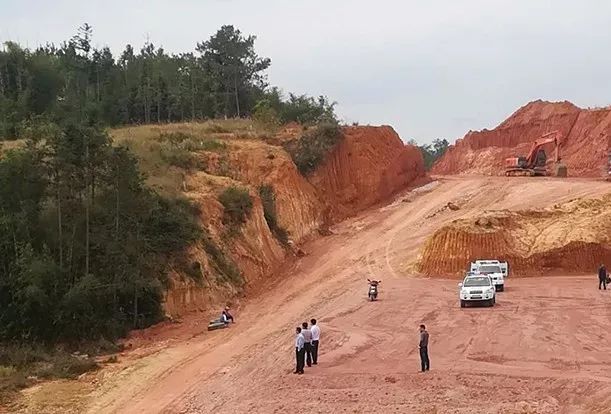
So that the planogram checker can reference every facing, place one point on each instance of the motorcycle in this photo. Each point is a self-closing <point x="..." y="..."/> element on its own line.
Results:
<point x="373" y="289"/>
<point x="222" y="322"/>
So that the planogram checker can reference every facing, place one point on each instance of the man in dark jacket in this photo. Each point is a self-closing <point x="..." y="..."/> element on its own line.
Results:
<point x="424" y="349"/>
<point x="602" y="276"/>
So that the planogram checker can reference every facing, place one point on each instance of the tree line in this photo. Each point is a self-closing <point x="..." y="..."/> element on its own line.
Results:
<point x="222" y="77"/>
<point x="432" y="152"/>
<point x="85" y="244"/>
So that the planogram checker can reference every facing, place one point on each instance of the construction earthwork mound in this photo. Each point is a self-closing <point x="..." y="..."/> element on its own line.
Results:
<point x="574" y="237"/>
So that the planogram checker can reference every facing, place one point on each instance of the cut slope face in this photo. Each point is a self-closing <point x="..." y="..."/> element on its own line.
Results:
<point x="368" y="166"/>
<point x="586" y="134"/>
<point x="569" y="238"/>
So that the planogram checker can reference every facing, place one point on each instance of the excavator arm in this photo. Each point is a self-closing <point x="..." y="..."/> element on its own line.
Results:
<point x="551" y="137"/>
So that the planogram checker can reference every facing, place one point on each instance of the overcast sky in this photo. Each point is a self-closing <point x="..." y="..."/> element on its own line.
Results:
<point x="430" y="68"/>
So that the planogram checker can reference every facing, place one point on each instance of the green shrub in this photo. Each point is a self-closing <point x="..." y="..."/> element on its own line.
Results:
<point x="224" y="168"/>
<point x="181" y="158"/>
<point x="312" y="147"/>
<point x="237" y="204"/>
<point x="268" y="199"/>
<point x="21" y="364"/>
<point x="178" y="149"/>
<point x="265" y="115"/>
<point x="225" y="267"/>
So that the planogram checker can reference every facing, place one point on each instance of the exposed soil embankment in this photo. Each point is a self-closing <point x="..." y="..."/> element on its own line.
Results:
<point x="366" y="167"/>
<point x="569" y="238"/>
<point x="586" y="134"/>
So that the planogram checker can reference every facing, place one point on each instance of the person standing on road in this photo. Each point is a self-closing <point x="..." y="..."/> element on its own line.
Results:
<point x="315" y="340"/>
<point x="307" y="336"/>
<point x="299" y="351"/>
<point x="602" y="276"/>
<point x="424" y="349"/>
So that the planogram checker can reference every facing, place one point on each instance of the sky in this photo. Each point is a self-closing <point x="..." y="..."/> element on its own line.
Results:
<point x="429" y="68"/>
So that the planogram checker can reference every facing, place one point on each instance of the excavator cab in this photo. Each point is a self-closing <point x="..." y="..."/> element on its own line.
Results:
<point x="541" y="159"/>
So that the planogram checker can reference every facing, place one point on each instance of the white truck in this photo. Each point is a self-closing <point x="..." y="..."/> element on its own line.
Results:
<point x="477" y="288"/>
<point x="496" y="269"/>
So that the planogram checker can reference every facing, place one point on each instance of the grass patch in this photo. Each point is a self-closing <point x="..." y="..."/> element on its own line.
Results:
<point x="310" y="150"/>
<point x="22" y="365"/>
<point x="268" y="198"/>
<point x="237" y="204"/>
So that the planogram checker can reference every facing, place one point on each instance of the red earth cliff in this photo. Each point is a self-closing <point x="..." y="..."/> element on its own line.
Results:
<point x="586" y="134"/>
<point x="367" y="166"/>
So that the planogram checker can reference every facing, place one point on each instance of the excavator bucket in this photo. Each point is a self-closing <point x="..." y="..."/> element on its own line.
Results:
<point x="560" y="170"/>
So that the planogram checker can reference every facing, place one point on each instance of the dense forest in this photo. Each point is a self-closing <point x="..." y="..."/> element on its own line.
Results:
<point x="222" y="77"/>
<point x="84" y="242"/>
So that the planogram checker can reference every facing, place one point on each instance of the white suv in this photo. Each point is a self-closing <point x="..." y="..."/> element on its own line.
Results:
<point x="495" y="269"/>
<point x="477" y="288"/>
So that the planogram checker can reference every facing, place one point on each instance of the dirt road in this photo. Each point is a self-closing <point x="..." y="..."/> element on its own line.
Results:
<point x="543" y="349"/>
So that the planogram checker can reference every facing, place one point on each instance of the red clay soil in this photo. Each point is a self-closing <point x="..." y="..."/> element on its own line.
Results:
<point x="367" y="167"/>
<point x="586" y="134"/>
<point x="542" y="349"/>
<point x="568" y="238"/>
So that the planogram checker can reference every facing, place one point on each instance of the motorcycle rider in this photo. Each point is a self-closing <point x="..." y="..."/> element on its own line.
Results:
<point x="373" y="284"/>
<point x="228" y="315"/>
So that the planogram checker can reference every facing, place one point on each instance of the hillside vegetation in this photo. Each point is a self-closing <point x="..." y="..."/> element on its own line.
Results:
<point x="96" y="225"/>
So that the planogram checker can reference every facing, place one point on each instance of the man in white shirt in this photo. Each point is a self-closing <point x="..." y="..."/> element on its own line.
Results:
<point x="315" y="340"/>
<point x="299" y="352"/>
<point x="307" y="336"/>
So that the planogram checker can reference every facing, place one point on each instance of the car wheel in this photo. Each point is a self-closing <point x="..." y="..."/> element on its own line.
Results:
<point x="462" y="304"/>
<point x="502" y="288"/>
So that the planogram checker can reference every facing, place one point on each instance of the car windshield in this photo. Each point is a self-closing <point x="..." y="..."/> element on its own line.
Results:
<point x="477" y="281"/>
<point x="489" y="269"/>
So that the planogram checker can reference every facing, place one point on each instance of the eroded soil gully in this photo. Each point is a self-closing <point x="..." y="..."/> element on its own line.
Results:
<point x="542" y="349"/>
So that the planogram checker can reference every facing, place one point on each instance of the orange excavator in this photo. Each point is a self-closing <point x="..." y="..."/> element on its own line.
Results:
<point x="534" y="164"/>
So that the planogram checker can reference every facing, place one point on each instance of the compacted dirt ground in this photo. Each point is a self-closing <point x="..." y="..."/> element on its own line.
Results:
<point x="545" y="347"/>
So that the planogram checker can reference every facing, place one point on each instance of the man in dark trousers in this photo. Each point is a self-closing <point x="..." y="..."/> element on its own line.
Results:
<point x="602" y="277"/>
<point x="424" y="349"/>
<point x="315" y="340"/>
<point x="307" y="337"/>
<point x="299" y="351"/>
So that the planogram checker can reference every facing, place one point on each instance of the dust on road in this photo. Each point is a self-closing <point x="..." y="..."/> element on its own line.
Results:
<point x="542" y="349"/>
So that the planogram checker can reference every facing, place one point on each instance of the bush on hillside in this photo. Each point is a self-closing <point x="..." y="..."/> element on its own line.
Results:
<point x="237" y="204"/>
<point x="310" y="150"/>
<point x="225" y="268"/>
<point x="179" y="149"/>
<point x="22" y="364"/>
<point x="265" y="114"/>
<point x="268" y="198"/>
